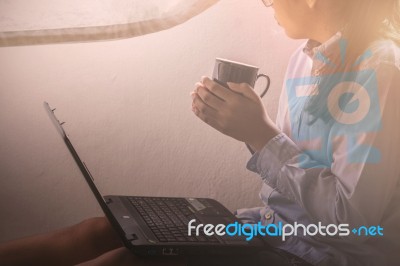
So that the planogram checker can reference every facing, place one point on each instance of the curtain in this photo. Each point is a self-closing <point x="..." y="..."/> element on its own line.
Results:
<point x="35" y="22"/>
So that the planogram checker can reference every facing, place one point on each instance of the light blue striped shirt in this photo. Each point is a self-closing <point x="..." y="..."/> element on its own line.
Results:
<point x="339" y="162"/>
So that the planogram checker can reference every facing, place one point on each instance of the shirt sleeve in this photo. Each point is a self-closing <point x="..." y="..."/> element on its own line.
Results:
<point x="356" y="193"/>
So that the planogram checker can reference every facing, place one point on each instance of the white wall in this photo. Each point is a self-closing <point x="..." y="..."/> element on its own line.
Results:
<point x="127" y="107"/>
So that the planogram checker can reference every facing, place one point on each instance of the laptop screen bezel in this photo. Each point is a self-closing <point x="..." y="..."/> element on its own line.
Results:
<point x="85" y="171"/>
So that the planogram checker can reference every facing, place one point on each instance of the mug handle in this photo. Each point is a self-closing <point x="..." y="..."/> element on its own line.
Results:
<point x="267" y="86"/>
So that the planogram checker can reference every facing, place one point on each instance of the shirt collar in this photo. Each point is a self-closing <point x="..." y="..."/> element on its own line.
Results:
<point x="322" y="55"/>
<point x="329" y="47"/>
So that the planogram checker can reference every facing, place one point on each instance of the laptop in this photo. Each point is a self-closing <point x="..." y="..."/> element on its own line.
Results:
<point x="158" y="226"/>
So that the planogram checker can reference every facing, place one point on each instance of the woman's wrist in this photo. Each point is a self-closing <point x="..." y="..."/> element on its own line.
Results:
<point x="267" y="132"/>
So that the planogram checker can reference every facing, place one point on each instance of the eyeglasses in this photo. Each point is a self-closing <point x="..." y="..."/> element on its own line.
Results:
<point x="268" y="3"/>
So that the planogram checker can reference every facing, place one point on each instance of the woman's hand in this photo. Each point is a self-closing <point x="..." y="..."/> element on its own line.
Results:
<point x="237" y="112"/>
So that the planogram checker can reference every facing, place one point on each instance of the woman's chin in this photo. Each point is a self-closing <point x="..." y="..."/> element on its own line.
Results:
<point x="294" y="35"/>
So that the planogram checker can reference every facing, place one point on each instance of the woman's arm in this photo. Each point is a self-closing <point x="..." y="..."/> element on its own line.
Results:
<point x="364" y="173"/>
<point x="354" y="192"/>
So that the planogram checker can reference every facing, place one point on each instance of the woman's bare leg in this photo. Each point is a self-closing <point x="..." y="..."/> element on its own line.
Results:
<point x="124" y="257"/>
<point x="69" y="246"/>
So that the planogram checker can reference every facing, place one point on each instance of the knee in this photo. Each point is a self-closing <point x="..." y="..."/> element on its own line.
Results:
<point x="94" y="236"/>
<point x="96" y="225"/>
<point x="97" y="229"/>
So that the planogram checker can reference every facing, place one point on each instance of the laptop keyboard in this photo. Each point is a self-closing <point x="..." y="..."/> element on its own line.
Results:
<point x="168" y="219"/>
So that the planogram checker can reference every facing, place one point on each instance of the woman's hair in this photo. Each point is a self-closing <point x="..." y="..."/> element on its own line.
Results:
<point x="365" y="21"/>
<point x="368" y="20"/>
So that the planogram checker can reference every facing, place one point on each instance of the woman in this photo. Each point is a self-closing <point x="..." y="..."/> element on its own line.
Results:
<point x="332" y="155"/>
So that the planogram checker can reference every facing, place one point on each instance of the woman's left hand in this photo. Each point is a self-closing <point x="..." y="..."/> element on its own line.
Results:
<point x="236" y="111"/>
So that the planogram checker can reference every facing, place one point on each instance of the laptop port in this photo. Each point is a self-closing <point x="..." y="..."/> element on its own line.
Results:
<point x="170" y="251"/>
